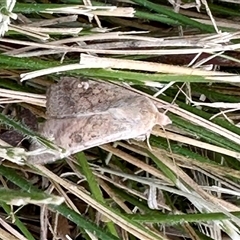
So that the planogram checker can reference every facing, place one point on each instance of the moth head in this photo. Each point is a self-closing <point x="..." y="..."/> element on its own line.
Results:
<point x="162" y="119"/>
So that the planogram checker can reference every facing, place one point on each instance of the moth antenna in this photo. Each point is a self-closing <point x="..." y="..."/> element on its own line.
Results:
<point x="148" y="143"/>
<point x="169" y="145"/>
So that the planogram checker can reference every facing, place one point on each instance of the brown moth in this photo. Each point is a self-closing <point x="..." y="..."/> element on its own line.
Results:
<point x="85" y="114"/>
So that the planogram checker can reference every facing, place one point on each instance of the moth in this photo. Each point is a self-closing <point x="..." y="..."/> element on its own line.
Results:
<point x="84" y="114"/>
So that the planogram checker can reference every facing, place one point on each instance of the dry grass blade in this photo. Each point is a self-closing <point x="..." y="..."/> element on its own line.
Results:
<point x="102" y="209"/>
<point x="35" y="99"/>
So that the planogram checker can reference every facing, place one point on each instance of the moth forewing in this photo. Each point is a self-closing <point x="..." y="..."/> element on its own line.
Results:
<point x="98" y="115"/>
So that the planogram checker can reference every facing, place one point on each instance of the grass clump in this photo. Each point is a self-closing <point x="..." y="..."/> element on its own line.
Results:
<point x="184" y="184"/>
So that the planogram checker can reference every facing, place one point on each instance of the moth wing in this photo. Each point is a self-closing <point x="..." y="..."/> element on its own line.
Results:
<point x="72" y="97"/>
<point x="77" y="134"/>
